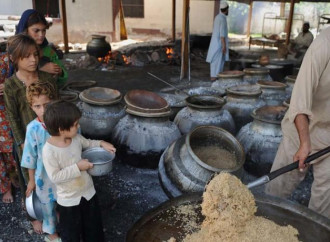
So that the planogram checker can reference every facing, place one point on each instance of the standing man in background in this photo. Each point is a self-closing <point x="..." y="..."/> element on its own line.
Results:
<point x="218" y="51"/>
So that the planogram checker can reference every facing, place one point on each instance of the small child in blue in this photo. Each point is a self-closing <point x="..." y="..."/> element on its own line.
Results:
<point x="38" y="95"/>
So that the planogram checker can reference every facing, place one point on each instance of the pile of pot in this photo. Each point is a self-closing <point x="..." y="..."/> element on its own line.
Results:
<point x="261" y="138"/>
<point x="145" y="131"/>
<point x="190" y="162"/>
<point x="101" y="110"/>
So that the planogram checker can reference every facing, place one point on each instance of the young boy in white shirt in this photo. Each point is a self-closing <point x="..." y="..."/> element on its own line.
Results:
<point x="80" y="215"/>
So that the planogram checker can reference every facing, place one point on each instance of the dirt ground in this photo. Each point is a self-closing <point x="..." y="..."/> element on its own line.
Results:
<point x="126" y="193"/>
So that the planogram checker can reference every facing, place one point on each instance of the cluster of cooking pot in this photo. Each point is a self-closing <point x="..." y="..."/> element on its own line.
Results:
<point x="183" y="131"/>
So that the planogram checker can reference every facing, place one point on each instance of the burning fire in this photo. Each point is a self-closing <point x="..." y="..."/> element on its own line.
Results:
<point x="106" y="58"/>
<point x="126" y="59"/>
<point x="169" y="52"/>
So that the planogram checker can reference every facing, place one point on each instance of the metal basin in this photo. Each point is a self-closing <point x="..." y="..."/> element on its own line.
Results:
<point x="102" y="161"/>
<point x="33" y="206"/>
<point x="162" y="223"/>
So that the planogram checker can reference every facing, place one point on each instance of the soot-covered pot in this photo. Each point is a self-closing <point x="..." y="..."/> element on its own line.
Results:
<point x="261" y="138"/>
<point x="241" y="101"/>
<point x="176" y="102"/>
<point x="275" y="71"/>
<point x="204" y="110"/>
<point x="252" y="75"/>
<point x="98" y="46"/>
<point x="273" y="93"/>
<point x="290" y="81"/>
<point x="101" y="110"/>
<point x="189" y="163"/>
<point x="145" y="131"/>
<point x="228" y="79"/>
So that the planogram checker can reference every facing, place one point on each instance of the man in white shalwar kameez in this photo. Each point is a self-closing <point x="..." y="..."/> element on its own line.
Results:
<point x="218" y="51"/>
<point x="306" y="128"/>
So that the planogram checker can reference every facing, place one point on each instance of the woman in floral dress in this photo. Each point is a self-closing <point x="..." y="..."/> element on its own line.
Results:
<point x="7" y="162"/>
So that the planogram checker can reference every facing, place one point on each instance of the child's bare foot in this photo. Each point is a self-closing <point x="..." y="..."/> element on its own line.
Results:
<point x="8" y="196"/>
<point x="37" y="226"/>
<point x="53" y="237"/>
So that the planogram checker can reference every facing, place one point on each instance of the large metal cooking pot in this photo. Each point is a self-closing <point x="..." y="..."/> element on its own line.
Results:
<point x="204" y="110"/>
<point x="176" y="102"/>
<point x="34" y="206"/>
<point x="202" y="91"/>
<point x="228" y="79"/>
<point x="140" y="141"/>
<point x="252" y="75"/>
<point x="166" y="221"/>
<point x="241" y="101"/>
<point x="275" y="71"/>
<point x="102" y="161"/>
<point x="183" y="168"/>
<point x="290" y="81"/>
<point x="287" y="65"/>
<point x="273" y="93"/>
<point x="261" y="139"/>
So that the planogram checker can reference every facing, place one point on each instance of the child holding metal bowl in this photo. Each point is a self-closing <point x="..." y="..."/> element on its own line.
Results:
<point x="80" y="215"/>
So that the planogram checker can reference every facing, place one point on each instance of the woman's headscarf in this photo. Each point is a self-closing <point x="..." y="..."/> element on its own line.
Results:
<point x="22" y="24"/>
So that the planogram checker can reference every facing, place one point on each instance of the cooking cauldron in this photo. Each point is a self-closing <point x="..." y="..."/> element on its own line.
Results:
<point x="261" y="139"/>
<point x="228" y="79"/>
<point x="252" y="75"/>
<point x="165" y="221"/>
<point x="240" y="64"/>
<point x="204" y="110"/>
<point x="275" y="71"/>
<point x="182" y="171"/>
<point x="273" y="92"/>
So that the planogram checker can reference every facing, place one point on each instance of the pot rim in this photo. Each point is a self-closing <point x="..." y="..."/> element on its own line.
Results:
<point x="256" y="71"/>
<point x="232" y="91"/>
<point x="291" y="78"/>
<point x="232" y="138"/>
<point x="219" y="101"/>
<point x="149" y="115"/>
<point x="83" y="96"/>
<point x="233" y="73"/>
<point x="271" y="84"/>
<point x="255" y="116"/>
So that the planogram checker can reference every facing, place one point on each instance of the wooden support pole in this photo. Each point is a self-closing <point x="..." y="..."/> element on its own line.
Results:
<point x="65" y="27"/>
<point x="248" y="31"/>
<point x="287" y="40"/>
<point x="185" y="40"/>
<point x="173" y="19"/>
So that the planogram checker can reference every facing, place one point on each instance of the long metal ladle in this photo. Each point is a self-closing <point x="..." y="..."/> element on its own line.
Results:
<point x="267" y="178"/>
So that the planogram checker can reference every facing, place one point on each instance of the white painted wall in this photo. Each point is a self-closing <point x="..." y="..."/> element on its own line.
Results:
<point x="86" y="17"/>
<point x="14" y="7"/>
<point x="158" y="15"/>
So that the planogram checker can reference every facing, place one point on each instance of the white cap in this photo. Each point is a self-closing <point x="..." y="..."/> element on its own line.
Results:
<point x="223" y="4"/>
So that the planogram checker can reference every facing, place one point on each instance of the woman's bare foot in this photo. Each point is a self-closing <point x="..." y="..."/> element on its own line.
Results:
<point x="8" y="196"/>
<point x="37" y="226"/>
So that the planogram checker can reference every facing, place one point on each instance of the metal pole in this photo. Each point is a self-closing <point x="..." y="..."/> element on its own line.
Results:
<point x="248" y="31"/>
<point x="287" y="41"/>
<point x="173" y="19"/>
<point x="65" y="27"/>
<point x="184" y="44"/>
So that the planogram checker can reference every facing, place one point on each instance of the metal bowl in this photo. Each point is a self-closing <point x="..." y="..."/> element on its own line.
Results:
<point x="33" y="206"/>
<point x="101" y="159"/>
<point x="165" y="221"/>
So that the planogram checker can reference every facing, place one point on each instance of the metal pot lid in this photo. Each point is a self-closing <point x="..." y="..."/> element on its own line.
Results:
<point x="174" y="100"/>
<point x="205" y="102"/>
<point x="270" y="114"/>
<point x="244" y="90"/>
<point x="267" y="66"/>
<point x="271" y="84"/>
<point x="100" y="96"/>
<point x="243" y="60"/>
<point x="148" y="115"/>
<point x="256" y="71"/>
<point x="291" y="78"/>
<point x="142" y="101"/>
<point x="228" y="74"/>
<point x="203" y="91"/>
